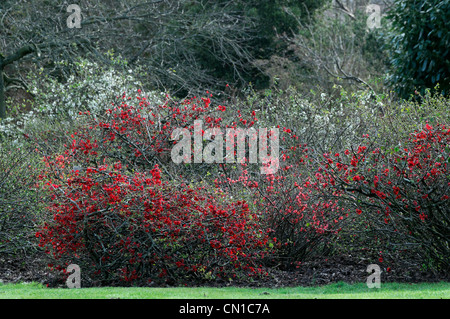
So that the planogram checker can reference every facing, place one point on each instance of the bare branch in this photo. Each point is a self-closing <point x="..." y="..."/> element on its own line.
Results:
<point x="344" y="9"/>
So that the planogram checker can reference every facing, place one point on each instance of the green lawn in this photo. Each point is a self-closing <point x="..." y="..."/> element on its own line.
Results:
<point x="338" y="290"/>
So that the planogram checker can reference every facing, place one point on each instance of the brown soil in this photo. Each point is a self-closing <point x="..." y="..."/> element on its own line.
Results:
<point x="320" y="272"/>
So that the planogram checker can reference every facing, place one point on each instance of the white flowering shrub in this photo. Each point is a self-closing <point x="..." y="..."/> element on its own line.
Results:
<point x="320" y="119"/>
<point x="91" y="87"/>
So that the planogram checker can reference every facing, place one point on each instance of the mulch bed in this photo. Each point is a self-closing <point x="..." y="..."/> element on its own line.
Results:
<point x="311" y="273"/>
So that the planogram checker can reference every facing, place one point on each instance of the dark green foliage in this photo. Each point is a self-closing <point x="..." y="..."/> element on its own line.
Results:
<point x="278" y="17"/>
<point x="420" y="46"/>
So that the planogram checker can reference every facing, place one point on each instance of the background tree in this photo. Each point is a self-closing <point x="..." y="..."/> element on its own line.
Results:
<point x="181" y="46"/>
<point x="419" y="46"/>
<point x="334" y="46"/>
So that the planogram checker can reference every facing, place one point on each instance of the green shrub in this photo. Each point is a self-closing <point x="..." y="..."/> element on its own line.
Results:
<point x="20" y="209"/>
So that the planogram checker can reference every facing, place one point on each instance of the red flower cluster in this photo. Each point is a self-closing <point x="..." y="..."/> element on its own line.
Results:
<point x="149" y="226"/>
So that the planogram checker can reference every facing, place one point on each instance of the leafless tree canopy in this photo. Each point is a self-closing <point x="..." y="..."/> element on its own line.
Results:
<point x="170" y="40"/>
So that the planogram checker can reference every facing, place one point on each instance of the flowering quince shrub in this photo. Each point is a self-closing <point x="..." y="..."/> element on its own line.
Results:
<point x="404" y="190"/>
<point x="295" y="204"/>
<point x="124" y="211"/>
<point x="138" y="227"/>
<point x="115" y="216"/>
<point x="140" y="135"/>
<point x="116" y="213"/>
<point x="302" y="220"/>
